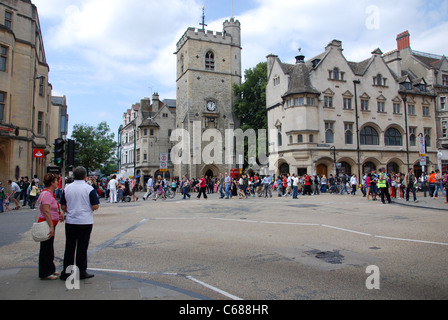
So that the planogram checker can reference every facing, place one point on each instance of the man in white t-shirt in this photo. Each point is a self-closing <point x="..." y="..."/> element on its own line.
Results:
<point x="295" y="186"/>
<point x="79" y="200"/>
<point x="149" y="188"/>
<point x="113" y="189"/>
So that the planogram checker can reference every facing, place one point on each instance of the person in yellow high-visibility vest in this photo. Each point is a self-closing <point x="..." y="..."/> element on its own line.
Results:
<point x="383" y="186"/>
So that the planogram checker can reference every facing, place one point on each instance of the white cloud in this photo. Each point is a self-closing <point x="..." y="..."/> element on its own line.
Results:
<point x="127" y="45"/>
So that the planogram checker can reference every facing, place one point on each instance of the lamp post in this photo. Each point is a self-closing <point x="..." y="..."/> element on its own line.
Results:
<point x="405" y="100"/>
<point x="356" y="82"/>
<point x="334" y="160"/>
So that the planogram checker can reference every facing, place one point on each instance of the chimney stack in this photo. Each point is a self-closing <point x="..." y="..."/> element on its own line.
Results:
<point x="403" y="40"/>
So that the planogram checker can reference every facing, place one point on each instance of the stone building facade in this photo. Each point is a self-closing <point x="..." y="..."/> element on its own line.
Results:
<point x="144" y="135"/>
<point x="336" y="116"/>
<point x="433" y="69"/>
<point x="27" y="120"/>
<point x="208" y="66"/>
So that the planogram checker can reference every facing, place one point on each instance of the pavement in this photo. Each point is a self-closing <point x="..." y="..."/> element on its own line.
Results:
<point x="22" y="282"/>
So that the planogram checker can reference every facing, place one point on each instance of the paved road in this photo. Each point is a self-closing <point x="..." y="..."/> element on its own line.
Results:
<point x="316" y="247"/>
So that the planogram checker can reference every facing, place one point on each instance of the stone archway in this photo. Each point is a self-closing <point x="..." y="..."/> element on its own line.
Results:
<point x="210" y="171"/>
<point x="322" y="170"/>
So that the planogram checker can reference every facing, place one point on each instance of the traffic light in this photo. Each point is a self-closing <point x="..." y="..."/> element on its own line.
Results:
<point x="59" y="149"/>
<point x="72" y="150"/>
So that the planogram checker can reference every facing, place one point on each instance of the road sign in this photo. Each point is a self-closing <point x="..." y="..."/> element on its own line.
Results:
<point x="422" y="146"/>
<point x="163" y="161"/>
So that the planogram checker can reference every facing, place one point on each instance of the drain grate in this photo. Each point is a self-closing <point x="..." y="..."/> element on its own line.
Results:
<point x="332" y="257"/>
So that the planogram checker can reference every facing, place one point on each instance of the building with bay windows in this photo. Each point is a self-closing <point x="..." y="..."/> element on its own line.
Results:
<point x="338" y="116"/>
<point x="143" y="136"/>
<point x="430" y="70"/>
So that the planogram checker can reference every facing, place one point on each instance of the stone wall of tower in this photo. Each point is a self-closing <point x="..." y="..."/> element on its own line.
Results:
<point x="196" y="86"/>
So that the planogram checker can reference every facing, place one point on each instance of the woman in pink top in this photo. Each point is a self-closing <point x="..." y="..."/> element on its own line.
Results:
<point x="51" y="213"/>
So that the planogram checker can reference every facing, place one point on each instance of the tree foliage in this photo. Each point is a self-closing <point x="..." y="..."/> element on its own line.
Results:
<point x="251" y="104"/>
<point x="97" y="145"/>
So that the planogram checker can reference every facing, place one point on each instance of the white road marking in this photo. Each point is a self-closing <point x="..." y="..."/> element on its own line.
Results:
<point x="307" y="224"/>
<point x="222" y="292"/>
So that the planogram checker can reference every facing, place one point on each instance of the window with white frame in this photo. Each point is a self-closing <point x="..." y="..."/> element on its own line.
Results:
<point x="442" y="103"/>
<point x="347" y="103"/>
<point x="364" y="105"/>
<point x="444" y="129"/>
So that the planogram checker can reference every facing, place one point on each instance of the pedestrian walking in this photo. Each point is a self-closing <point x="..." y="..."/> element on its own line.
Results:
<point x="15" y="193"/>
<point x="202" y="185"/>
<point x="438" y="184"/>
<point x="149" y="188"/>
<point x="354" y="184"/>
<point x="186" y="188"/>
<point x="2" y="197"/>
<point x="410" y="181"/>
<point x="383" y="186"/>
<point x="79" y="201"/>
<point x="50" y="212"/>
<point x="295" y="186"/>
<point x="113" y="184"/>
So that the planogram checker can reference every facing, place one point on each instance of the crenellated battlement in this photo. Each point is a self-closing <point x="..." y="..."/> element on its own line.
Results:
<point x="224" y="37"/>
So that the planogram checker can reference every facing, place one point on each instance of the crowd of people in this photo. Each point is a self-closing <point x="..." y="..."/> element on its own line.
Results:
<point x="373" y="185"/>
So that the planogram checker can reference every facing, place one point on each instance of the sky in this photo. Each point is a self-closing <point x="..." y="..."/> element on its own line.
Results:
<point x="106" y="55"/>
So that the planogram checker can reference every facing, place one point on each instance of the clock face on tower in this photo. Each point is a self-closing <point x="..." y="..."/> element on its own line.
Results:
<point x="211" y="106"/>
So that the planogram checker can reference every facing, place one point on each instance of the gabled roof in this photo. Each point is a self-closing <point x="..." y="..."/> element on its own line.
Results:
<point x="300" y="79"/>
<point x="430" y="61"/>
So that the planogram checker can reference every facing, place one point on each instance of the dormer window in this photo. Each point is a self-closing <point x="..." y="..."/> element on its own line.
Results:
<point x="407" y="85"/>
<point x="422" y="87"/>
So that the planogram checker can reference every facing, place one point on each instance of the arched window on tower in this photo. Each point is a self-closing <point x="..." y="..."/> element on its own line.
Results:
<point x="210" y="61"/>
<point x="182" y="63"/>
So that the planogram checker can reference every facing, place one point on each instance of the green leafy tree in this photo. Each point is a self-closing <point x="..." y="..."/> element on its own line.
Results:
<point x="96" y="145"/>
<point x="250" y="106"/>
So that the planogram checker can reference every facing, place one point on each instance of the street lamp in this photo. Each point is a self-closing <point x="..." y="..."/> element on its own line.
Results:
<point x="405" y="100"/>
<point x="334" y="160"/>
<point x="356" y="82"/>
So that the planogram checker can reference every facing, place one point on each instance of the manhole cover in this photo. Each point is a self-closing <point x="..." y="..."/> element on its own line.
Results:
<point x="332" y="257"/>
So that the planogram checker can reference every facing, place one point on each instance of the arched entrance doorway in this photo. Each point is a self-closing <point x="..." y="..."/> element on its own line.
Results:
<point x="345" y="168"/>
<point x="322" y="169"/>
<point x="392" y="167"/>
<point x="368" y="167"/>
<point x="284" y="168"/>
<point x="210" y="171"/>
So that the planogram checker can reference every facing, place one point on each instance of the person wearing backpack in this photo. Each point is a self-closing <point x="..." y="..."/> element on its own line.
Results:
<point x="445" y="184"/>
<point x="410" y="181"/>
<point x="2" y="196"/>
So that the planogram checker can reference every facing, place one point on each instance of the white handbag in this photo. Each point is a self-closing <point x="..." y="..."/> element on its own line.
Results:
<point x="40" y="230"/>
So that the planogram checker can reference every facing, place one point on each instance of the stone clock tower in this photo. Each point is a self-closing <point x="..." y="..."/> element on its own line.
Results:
<point x="208" y="65"/>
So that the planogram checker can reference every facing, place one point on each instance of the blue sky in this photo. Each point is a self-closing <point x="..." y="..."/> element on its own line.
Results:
<point x="106" y="55"/>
